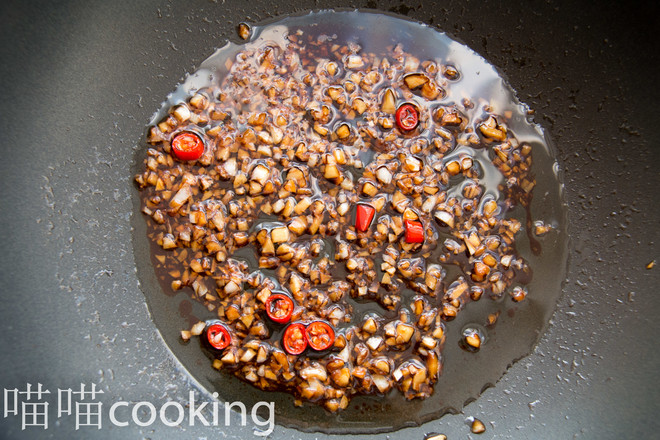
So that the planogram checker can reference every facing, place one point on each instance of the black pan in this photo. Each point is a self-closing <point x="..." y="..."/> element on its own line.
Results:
<point x="82" y="80"/>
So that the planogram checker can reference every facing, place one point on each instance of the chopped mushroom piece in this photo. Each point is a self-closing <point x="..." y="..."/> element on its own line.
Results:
<point x="384" y="175"/>
<point x="388" y="105"/>
<point x="478" y="426"/>
<point x="279" y="235"/>
<point x="244" y="31"/>
<point x="415" y="80"/>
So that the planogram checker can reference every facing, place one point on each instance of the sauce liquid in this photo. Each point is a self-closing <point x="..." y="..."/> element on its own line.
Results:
<point x="465" y="374"/>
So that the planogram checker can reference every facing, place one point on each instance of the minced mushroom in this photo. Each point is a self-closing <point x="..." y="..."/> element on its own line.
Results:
<point x="296" y="137"/>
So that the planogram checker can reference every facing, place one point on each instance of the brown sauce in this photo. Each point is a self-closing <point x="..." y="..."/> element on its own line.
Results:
<point x="457" y="293"/>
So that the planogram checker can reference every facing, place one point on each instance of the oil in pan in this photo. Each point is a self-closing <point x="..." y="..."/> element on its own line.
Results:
<point x="379" y="106"/>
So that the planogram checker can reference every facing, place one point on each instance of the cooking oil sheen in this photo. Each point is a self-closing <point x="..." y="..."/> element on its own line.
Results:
<point x="466" y="373"/>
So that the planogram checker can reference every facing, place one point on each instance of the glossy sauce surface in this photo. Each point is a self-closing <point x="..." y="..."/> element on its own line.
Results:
<point x="466" y="372"/>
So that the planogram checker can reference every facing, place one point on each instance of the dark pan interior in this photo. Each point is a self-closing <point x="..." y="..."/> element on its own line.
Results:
<point x="81" y="80"/>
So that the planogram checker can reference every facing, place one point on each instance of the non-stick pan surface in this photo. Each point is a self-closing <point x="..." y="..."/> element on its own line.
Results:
<point x="81" y="80"/>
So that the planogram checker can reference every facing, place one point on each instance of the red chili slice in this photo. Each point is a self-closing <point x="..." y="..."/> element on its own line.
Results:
<point x="279" y="308"/>
<point x="320" y="335"/>
<point x="294" y="340"/>
<point x="407" y="117"/>
<point x="363" y="217"/>
<point x="414" y="232"/>
<point x="187" y="146"/>
<point x="218" y="336"/>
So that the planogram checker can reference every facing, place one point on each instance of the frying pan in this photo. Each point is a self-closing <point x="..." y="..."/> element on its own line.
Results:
<point x="81" y="80"/>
